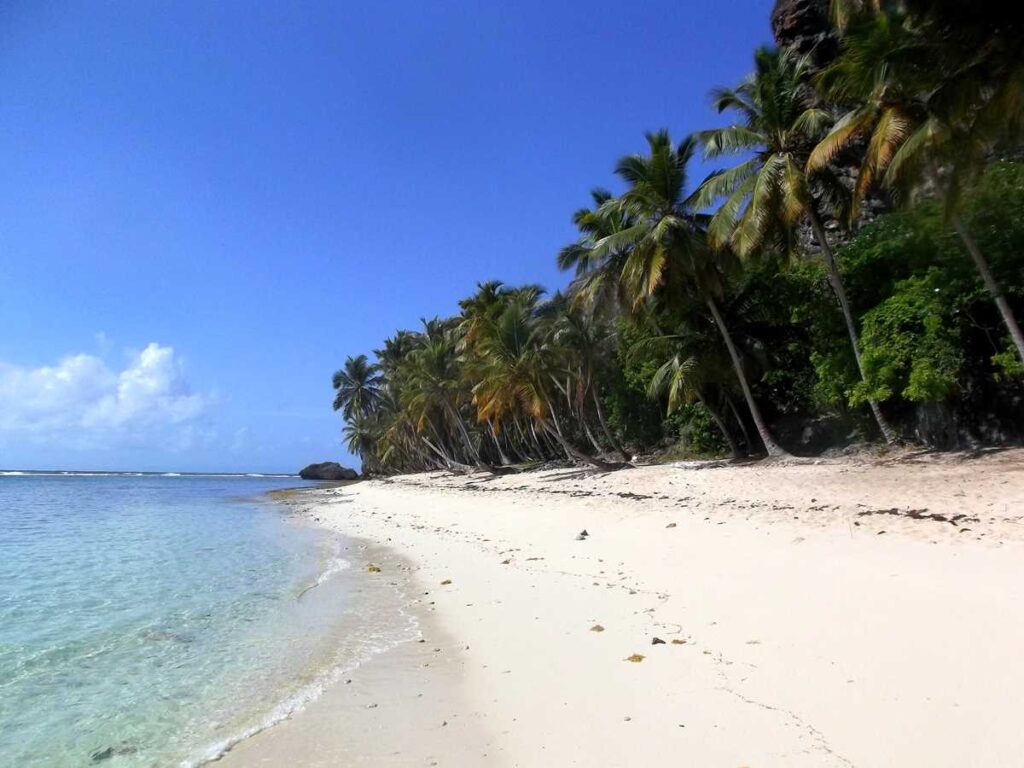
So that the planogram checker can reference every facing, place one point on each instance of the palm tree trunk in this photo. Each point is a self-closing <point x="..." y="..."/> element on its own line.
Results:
<point x="544" y="447"/>
<point x="572" y="452"/>
<point x="470" y="448"/>
<point x="578" y="455"/>
<point x="557" y="432"/>
<point x="773" y="448"/>
<point x="990" y="283"/>
<point x="590" y="434"/>
<point x="444" y="457"/>
<point x="520" y="448"/>
<point x="497" y="444"/>
<point x="837" y="286"/>
<point x="715" y="417"/>
<point x="739" y="420"/>
<point x="575" y="409"/>
<point x="604" y="425"/>
<point x="524" y="440"/>
<point x="445" y="450"/>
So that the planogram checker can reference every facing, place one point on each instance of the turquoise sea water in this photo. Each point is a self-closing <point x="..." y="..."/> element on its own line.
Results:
<point x="152" y="621"/>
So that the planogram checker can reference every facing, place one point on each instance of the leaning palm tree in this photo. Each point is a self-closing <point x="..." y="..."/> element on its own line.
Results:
<point x="434" y="391"/>
<point x="771" y="193"/>
<point x="357" y="387"/>
<point x="584" y="343"/>
<point x="934" y="103"/>
<point x="696" y="368"/>
<point x="516" y="370"/>
<point x="668" y="252"/>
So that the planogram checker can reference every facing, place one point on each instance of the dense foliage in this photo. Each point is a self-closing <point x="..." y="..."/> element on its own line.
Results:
<point x="855" y="275"/>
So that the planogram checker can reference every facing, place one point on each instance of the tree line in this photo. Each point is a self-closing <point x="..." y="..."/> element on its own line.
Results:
<point x="852" y="272"/>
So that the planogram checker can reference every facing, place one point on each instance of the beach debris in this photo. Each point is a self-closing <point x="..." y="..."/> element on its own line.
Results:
<point x="627" y="718"/>
<point x="671" y="525"/>
<point x="371" y="706"/>
<point x="677" y="641"/>
<point x="636" y="658"/>
<point x="657" y="641"/>
<point x="920" y="514"/>
<point x="371" y="568"/>
<point x="505" y="562"/>
<point x="582" y="535"/>
<point x="597" y="628"/>
<point x="446" y="582"/>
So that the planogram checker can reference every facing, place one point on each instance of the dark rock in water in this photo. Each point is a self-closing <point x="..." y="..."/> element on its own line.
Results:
<point x="106" y="753"/>
<point x="156" y="635"/>
<point x="328" y="470"/>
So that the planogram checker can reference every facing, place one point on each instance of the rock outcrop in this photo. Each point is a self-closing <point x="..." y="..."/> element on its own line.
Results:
<point x="803" y="26"/>
<point x="328" y="470"/>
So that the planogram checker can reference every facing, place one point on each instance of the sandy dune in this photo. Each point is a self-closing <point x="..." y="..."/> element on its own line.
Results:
<point x="817" y="614"/>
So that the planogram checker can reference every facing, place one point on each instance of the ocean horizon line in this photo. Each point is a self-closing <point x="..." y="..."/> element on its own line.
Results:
<point x="14" y="472"/>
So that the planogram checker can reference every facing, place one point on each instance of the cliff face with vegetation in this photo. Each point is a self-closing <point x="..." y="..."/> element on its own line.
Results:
<point x="803" y="26"/>
<point x="854" y="273"/>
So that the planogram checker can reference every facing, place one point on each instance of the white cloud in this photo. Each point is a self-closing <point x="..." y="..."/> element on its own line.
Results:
<point x="83" y="400"/>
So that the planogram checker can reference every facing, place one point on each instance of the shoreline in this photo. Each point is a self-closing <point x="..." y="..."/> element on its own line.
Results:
<point x="357" y="642"/>
<point x="820" y="613"/>
<point x="407" y="680"/>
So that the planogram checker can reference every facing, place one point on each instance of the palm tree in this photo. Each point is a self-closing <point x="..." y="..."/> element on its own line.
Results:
<point x="395" y="351"/>
<point x="362" y="434"/>
<point x="433" y="389"/>
<point x="933" y="104"/>
<point x="679" y="380"/>
<point x="770" y="193"/>
<point x="583" y="344"/>
<point x="481" y="307"/>
<point x="357" y="387"/>
<point x="598" y="282"/>
<point x="516" y="372"/>
<point x="668" y="251"/>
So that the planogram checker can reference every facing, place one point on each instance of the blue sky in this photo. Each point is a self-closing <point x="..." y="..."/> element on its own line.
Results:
<point x="205" y="206"/>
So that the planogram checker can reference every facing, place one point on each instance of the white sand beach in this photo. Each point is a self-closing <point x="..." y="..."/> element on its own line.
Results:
<point x="829" y="613"/>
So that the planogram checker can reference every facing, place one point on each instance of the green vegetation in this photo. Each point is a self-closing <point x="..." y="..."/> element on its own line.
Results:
<point x="856" y="275"/>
